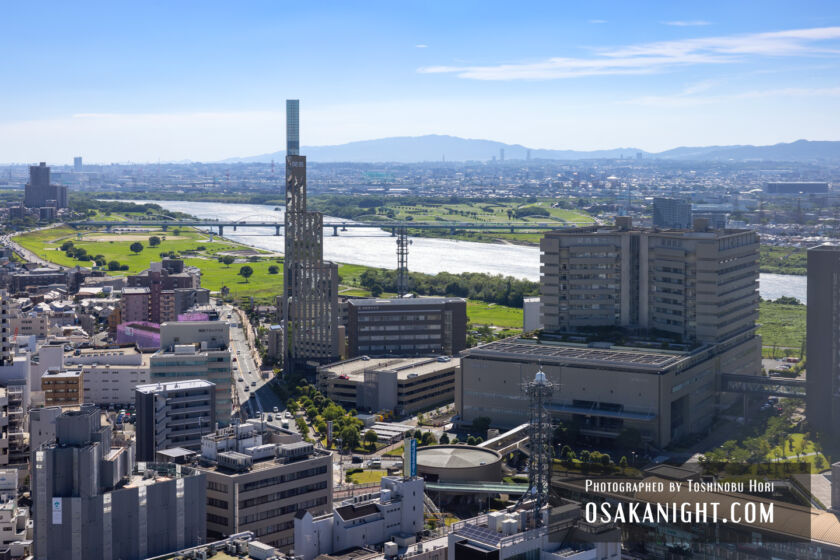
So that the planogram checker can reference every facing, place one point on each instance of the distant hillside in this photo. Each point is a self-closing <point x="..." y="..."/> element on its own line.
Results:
<point x="434" y="147"/>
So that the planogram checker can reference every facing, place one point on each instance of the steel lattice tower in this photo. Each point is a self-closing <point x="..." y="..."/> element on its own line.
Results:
<point x="539" y="433"/>
<point x="402" y="261"/>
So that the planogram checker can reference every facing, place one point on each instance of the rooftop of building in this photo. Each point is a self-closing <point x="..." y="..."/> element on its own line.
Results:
<point x="135" y="290"/>
<point x="175" y="386"/>
<point x="571" y="354"/>
<point x="700" y="231"/>
<point x="406" y="301"/>
<point x="455" y="456"/>
<point x="68" y="374"/>
<point x="406" y="368"/>
<point x="148" y="473"/>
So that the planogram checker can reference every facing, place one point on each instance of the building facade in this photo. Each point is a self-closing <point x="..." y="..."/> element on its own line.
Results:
<point x="663" y="395"/>
<point x="696" y="285"/>
<point x="257" y="486"/>
<point x="403" y="385"/>
<point x="671" y="213"/>
<point x="397" y="509"/>
<point x="823" y="339"/>
<point x="39" y="192"/>
<point x="175" y="414"/>
<point x="406" y="326"/>
<point x="310" y="306"/>
<point x="91" y="502"/>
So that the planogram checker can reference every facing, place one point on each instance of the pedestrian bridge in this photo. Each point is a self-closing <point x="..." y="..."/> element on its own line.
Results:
<point x="760" y="385"/>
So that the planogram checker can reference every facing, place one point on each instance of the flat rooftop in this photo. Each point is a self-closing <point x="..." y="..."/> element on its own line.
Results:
<point x="355" y="368"/>
<point x="415" y="301"/>
<point x="175" y="386"/>
<point x="566" y="353"/>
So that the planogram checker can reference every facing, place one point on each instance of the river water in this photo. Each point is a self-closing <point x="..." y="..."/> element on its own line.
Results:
<point x="371" y="247"/>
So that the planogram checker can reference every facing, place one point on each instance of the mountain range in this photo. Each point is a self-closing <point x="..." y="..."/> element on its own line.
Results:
<point x="434" y="147"/>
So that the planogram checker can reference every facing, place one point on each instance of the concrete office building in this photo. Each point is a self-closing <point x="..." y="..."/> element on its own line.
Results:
<point x="663" y="394"/>
<point x="42" y="425"/>
<point x="15" y="528"/>
<point x="671" y="213"/>
<point x="92" y="501"/>
<point x="275" y="346"/>
<point x="190" y="361"/>
<point x="823" y="339"/>
<point x="174" y="414"/>
<point x="697" y="285"/>
<point x="114" y="383"/>
<point x="406" y="326"/>
<point x="310" y="297"/>
<point x="38" y="192"/>
<point x="258" y="486"/>
<point x="396" y="510"/>
<point x="77" y="164"/>
<point x="404" y="385"/>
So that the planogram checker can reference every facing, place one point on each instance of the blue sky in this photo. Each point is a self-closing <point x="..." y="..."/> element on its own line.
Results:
<point x="142" y="81"/>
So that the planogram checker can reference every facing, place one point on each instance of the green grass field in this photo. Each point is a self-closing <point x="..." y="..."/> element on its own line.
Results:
<point x="782" y="326"/>
<point x="366" y="477"/>
<point x="783" y="260"/>
<point x="481" y="313"/>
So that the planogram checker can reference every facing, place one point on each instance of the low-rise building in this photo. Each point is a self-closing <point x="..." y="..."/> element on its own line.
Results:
<point x="404" y="385"/>
<point x="397" y="509"/>
<point x="257" y="486"/>
<point x="114" y="384"/>
<point x="664" y="394"/>
<point x="62" y="387"/>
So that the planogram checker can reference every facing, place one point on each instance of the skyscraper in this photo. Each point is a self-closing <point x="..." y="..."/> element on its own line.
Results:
<point x="671" y="213"/>
<point x="39" y="192"/>
<point x="77" y="164"/>
<point x="310" y="317"/>
<point x="823" y="338"/>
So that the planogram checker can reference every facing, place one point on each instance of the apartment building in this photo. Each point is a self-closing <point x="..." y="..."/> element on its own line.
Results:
<point x="698" y="285"/>
<point x="174" y="414"/>
<point x="135" y="304"/>
<point x="62" y="387"/>
<point x="406" y="326"/>
<point x="259" y="486"/>
<point x="823" y="379"/>
<point x="404" y="385"/>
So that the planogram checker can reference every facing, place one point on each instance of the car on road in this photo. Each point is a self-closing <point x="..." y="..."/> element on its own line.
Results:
<point x="247" y="388"/>
<point x="253" y="383"/>
<point x="276" y="410"/>
<point x="241" y="378"/>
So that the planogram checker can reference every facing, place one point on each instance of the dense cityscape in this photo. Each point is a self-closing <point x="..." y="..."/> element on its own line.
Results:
<point x="428" y="347"/>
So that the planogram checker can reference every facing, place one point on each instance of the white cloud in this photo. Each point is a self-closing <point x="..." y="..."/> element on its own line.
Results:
<point x="686" y="23"/>
<point x="421" y="46"/>
<point x="688" y="98"/>
<point x="597" y="21"/>
<point x="648" y="58"/>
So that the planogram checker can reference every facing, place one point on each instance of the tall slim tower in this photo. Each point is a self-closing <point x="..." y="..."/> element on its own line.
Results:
<point x="310" y="318"/>
<point x="539" y="433"/>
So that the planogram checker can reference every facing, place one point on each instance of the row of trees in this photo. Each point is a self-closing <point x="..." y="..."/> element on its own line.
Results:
<point x="502" y="290"/>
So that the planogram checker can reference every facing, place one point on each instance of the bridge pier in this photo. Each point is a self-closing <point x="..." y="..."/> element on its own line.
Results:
<point x="452" y="231"/>
<point x="108" y="228"/>
<point x="335" y="231"/>
<point x="393" y="232"/>
<point x="221" y="231"/>
<point x="276" y="230"/>
<point x="164" y="227"/>
<point x="234" y="227"/>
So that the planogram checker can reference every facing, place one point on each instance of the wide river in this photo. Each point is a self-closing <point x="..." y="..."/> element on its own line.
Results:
<point x="373" y="247"/>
